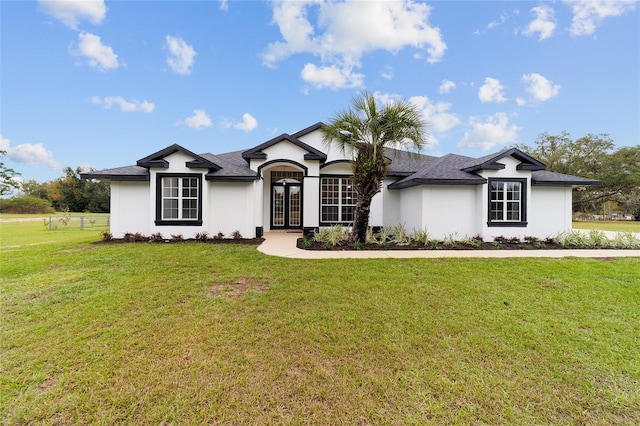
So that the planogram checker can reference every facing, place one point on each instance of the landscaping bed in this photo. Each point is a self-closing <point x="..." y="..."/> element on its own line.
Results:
<point x="398" y="238"/>
<point x="436" y="245"/>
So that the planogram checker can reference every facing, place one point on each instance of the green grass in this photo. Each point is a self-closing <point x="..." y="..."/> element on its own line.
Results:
<point x="134" y="334"/>
<point x="609" y="225"/>
<point x="17" y="234"/>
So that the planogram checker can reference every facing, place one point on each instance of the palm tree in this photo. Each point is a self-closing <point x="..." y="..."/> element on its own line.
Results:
<point x="363" y="132"/>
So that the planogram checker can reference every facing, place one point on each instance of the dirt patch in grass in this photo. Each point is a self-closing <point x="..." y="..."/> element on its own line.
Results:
<point x="236" y="289"/>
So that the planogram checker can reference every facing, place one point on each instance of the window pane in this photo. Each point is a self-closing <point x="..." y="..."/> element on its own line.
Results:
<point x="347" y="213"/>
<point x="329" y="213"/>
<point x="170" y="209"/>
<point x="170" y="187"/>
<point x="496" y="211"/>
<point x="513" y="211"/>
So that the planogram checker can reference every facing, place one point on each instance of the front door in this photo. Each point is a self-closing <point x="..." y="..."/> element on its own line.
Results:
<point x="286" y="203"/>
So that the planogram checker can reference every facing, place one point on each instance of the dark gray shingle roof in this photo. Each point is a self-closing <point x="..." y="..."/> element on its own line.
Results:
<point x="119" y="173"/>
<point x="411" y="169"/>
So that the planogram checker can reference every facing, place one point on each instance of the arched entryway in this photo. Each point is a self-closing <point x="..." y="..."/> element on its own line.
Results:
<point x="286" y="199"/>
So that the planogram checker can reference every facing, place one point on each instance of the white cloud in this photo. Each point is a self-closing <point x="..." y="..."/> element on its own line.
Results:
<point x="224" y="5"/>
<point x="491" y="91"/>
<point x="30" y="154"/>
<point x="344" y="31"/>
<point x="495" y="131"/>
<point x="247" y="124"/>
<point x="71" y="12"/>
<point x="437" y="114"/>
<point x="98" y="55"/>
<point x="503" y="19"/>
<point x="331" y="77"/>
<point x="446" y="86"/>
<point x="198" y="119"/>
<point x="125" y="106"/>
<point x="181" y="55"/>
<point x="544" y="24"/>
<point x="387" y="72"/>
<point x="521" y="101"/>
<point x="539" y="87"/>
<point x="587" y="15"/>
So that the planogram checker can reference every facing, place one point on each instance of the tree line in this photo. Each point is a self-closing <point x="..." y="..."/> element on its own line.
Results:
<point x="68" y="192"/>
<point x="597" y="157"/>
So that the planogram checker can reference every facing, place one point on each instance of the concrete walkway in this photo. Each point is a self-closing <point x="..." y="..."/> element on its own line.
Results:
<point x="283" y="244"/>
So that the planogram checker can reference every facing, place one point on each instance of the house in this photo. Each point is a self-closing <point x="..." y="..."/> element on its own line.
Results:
<point x="294" y="181"/>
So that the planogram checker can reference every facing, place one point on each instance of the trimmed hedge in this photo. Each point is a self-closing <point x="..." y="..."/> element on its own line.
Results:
<point x="25" y="204"/>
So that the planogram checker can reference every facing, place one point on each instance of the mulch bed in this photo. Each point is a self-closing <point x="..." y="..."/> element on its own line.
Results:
<point x="313" y="245"/>
<point x="249" y="241"/>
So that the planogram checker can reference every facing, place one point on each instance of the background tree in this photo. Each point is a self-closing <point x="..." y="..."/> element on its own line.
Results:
<point x="592" y="156"/>
<point x="7" y="177"/>
<point x="33" y="188"/>
<point x="79" y="195"/>
<point x="363" y="132"/>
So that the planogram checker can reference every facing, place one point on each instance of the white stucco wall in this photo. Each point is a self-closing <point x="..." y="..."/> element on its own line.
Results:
<point x="129" y="208"/>
<point x="550" y="210"/>
<point x="311" y="202"/>
<point x="409" y="209"/>
<point x="230" y="208"/>
<point x="450" y="209"/>
<point x="390" y="204"/>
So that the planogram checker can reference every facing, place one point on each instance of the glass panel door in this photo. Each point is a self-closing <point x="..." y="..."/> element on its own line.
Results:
<point x="278" y="205"/>
<point x="294" y="205"/>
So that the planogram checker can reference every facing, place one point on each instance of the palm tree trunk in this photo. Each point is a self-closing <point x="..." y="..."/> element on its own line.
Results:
<point x="360" y="220"/>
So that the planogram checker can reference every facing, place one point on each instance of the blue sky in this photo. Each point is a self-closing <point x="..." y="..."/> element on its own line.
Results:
<point x="104" y="83"/>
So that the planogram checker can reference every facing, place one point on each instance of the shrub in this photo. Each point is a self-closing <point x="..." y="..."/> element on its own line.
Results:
<point x="626" y="240"/>
<point x="25" y="205"/>
<point x="383" y="236"/>
<point x="369" y="237"/>
<point x="421" y="236"/>
<point x="176" y="238"/>
<point x="156" y="238"/>
<point x="134" y="238"/>
<point x="399" y="235"/>
<point x="202" y="236"/>
<point x="451" y="240"/>
<point x="218" y="236"/>
<point x="333" y="236"/>
<point x="236" y="235"/>
<point x="106" y="236"/>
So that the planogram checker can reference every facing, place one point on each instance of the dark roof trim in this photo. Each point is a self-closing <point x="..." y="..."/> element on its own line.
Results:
<point x="422" y="181"/>
<point x="256" y="153"/>
<point x="157" y="159"/>
<point x="565" y="182"/>
<point x="331" y="163"/>
<point x="308" y="130"/>
<point x="282" y="160"/>
<point x="114" y="177"/>
<point x="230" y="178"/>
<point x="491" y="163"/>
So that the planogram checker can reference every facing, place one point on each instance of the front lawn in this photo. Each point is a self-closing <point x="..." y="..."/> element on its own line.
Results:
<point x="609" y="225"/>
<point x="193" y="333"/>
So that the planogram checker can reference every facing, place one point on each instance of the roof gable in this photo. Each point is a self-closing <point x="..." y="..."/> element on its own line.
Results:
<point x="308" y="130"/>
<point x="157" y="159"/>
<point x="490" y="162"/>
<point x="257" y="152"/>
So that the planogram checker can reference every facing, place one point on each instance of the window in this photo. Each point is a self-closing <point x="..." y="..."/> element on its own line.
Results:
<point x="337" y="200"/>
<point x="179" y="200"/>
<point x="507" y="202"/>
